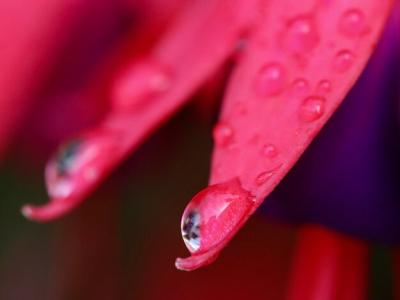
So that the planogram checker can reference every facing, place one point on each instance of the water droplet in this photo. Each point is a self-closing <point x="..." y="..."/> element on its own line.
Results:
<point x="223" y="134"/>
<point x="269" y="150"/>
<point x="141" y="81"/>
<point x="324" y="87"/>
<point x="312" y="108"/>
<point x="270" y="80"/>
<point x="213" y="214"/>
<point x="263" y="177"/>
<point x="352" y="23"/>
<point x="300" y="87"/>
<point x="343" y="60"/>
<point x="301" y="35"/>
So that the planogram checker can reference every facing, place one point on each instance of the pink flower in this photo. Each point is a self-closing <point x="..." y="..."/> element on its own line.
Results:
<point x="294" y="62"/>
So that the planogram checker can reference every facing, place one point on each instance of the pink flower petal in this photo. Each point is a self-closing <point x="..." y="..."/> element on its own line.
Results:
<point x="268" y="119"/>
<point x="193" y="49"/>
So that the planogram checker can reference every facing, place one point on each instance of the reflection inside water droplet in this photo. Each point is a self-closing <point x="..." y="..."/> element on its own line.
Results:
<point x="191" y="230"/>
<point x="65" y="157"/>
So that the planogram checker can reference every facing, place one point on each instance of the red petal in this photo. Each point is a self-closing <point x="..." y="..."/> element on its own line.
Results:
<point x="328" y="265"/>
<point x="197" y="44"/>
<point x="301" y="62"/>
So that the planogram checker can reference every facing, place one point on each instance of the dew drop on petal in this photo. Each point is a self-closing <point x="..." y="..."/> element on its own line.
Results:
<point x="263" y="177"/>
<point x="343" y="60"/>
<point x="301" y="35"/>
<point x="324" y="87"/>
<point x="223" y="134"/>
<point x="213" y="214"/>
<point x="270" y="80"/>
<point x="300" y="87"/>
<point x="312" y="108"/>
<point x="352" y="23"/>
<point x="141" y="81"/>
<point x="269" y="150"/>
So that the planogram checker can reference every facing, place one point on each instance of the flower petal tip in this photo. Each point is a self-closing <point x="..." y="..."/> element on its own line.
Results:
<point x="26" y="211"/>
<point x="196" y="261"/>
<point x="47" y="212"/>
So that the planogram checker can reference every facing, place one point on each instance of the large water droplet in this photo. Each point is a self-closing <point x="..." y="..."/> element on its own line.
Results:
<point x="213" y="214"/>
<point x="343" y="60"/>
<point x="312" y="108"/>
<point x="139" y="82"/>
<point x="352" y="23"/>
<point x="301" y="35"/>
<point x="223" y="134"/>
<point x="270" y="80"/>
<point x="324" y="87"/>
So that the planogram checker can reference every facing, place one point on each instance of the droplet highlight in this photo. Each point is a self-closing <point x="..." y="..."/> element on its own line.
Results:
<point x="270" y="80"/>
<point x="352" y="23"/>
<point x="312" y="108"/>
<point x="343" y="60"/>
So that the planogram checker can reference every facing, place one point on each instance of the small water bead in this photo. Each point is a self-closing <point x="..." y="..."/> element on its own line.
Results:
<point x="324" y="87"/>
<point x="223" y="134"/>
<point x="301" y="35"/>
<point x="270" y="80"/>
<point x="142" y="80"/>
<point x="269" y="150"/>
<point x="263" y="177"/>
<point x="312" y="108"/>
<point x="213" y="214"/>
<point x="343" y="60"/>
<point x="352" y="23"/>
<point x="300" y="87"/>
